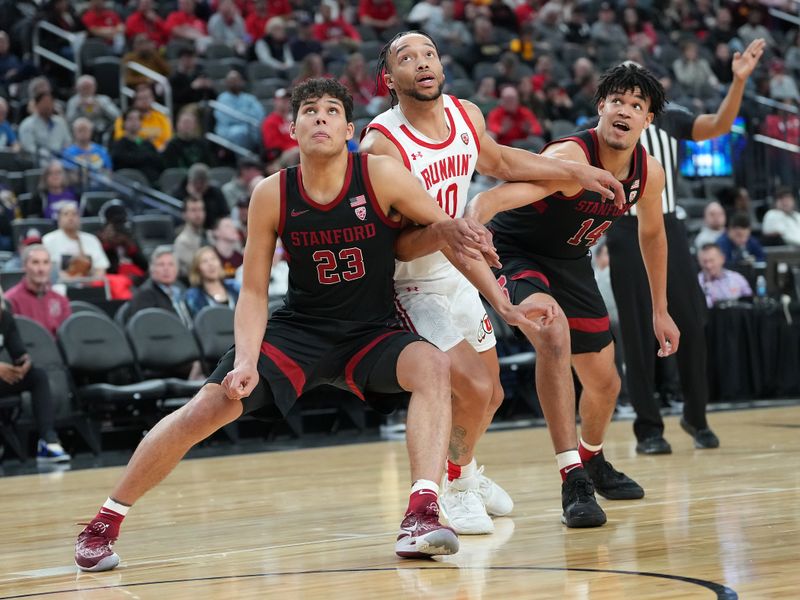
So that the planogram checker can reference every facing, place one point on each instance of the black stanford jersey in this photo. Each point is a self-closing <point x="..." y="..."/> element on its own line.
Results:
<point x="565" y="227"/>
<point x="341" y="254"/>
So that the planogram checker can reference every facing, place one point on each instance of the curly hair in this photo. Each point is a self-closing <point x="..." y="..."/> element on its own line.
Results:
<point x="319" y="87"/>
<point x="628" y="77"/>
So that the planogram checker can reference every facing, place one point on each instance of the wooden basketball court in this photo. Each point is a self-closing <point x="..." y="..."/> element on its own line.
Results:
<point x="321" y="523"/>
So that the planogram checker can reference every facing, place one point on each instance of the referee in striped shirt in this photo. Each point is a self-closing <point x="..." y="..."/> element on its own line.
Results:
<point x="687" y="305"/>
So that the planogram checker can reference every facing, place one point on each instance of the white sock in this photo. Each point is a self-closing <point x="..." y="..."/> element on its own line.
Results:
<point x="590" y="447"/>
<point x="469" y="470"/>
<point x="118" y="508"/>
<point x="565" y="459"/>
<point x="425" y="484"/>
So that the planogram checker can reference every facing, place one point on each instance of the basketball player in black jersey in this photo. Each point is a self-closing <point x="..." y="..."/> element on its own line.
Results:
<point x="333" y="214"/>
<point x="543" y="231"/>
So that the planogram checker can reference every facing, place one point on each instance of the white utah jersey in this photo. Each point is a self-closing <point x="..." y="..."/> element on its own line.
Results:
<point x="445" y="170"/>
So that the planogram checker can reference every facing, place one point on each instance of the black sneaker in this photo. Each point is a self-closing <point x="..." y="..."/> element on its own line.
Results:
<point x="577" y="499"/>
<point x="703" y="438"/>
<point x="653" y="445"/>
<point x="610" y="483"/>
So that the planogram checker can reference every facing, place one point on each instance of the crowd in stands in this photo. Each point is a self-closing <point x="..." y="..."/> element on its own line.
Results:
<point x="531" y="66"/>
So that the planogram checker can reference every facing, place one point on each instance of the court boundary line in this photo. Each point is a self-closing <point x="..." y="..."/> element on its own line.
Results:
<point x="722" y="592"/>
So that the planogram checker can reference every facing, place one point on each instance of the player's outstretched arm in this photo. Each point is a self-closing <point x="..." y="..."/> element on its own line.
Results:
<point x="715" y="124"/>
<point x="508" y="196"/>
<point x="653" y="242"/>
<point x="250" y="320"/>
<point x="397" y="189"/>
<point x="415" y="242"/>
<point x="402" y="192"/>
<point x="515" y="164"/>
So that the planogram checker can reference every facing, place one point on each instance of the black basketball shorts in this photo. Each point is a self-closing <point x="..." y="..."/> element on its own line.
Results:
<point x="300" y="353"/>
<point x="572" y="284"/>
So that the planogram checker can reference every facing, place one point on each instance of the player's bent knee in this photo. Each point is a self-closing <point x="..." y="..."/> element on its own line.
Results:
<point x="211" y="408"/>
<point x="498" y="395"/>
<point x="551" y="341"/>
<point x="422" y="364"/>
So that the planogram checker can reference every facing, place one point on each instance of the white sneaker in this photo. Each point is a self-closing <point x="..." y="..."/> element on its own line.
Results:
<point x="463" y="507"/>
<point x="496" y="500"/>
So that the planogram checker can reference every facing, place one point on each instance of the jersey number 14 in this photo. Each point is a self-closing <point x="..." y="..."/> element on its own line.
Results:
<point x="587" y="237"/>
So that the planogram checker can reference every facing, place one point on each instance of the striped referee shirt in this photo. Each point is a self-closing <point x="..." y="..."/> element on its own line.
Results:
<point x="661" y="142"/>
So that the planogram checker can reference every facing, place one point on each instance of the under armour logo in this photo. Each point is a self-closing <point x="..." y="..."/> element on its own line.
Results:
<point x="412" y="289"/>
<point x="416" y="155"/>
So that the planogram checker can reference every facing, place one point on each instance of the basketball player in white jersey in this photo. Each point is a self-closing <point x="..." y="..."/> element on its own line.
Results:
<point x="443" y="141"/>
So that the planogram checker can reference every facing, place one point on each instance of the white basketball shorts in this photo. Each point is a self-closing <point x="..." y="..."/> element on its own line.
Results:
<point x="446" y="319"/>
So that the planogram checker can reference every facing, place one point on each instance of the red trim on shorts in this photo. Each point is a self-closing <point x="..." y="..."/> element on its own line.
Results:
<point x="287" y="366"/>
<point x="371" y="195"/>
<point x="531" y="273"/>
<point x="330" y="205"/>
<point x="349" y="370"/>
<point x="587" y="325"/>
<point x="437" y="145"/>
<point x="391" y="138"/>
<point x="464" y="115"/>
<point x="404" y="317"/>
<point x="282" y="221"/>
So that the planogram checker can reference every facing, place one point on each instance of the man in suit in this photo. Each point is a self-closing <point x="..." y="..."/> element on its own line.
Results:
<point x="162" y="289"/>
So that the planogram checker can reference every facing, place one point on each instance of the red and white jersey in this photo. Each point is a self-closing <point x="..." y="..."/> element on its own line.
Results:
<point x="445" y="170"/>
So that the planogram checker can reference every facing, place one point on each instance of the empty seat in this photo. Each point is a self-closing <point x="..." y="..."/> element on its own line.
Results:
<point x="163" y="344"/>
<point x="213" y="328"/>
<point x="103" y="366"/>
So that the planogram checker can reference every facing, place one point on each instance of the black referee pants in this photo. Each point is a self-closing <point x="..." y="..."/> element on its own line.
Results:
<point x="686" y="306"/>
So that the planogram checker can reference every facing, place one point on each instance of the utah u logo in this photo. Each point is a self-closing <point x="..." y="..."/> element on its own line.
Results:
<point x="465" y="138"/>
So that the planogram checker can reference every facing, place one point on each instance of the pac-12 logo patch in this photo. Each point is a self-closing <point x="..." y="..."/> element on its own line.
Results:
<point x="465" y="138"/>
<point x="361" y="212"/>
<point x="485" y="328"/>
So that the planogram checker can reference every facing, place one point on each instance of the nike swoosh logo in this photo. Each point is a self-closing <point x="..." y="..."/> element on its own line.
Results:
<point x="572" y="468"/>
<point x="297" y="213"/>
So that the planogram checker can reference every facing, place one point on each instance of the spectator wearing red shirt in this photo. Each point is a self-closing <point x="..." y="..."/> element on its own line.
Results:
<point x="256" y="21"/>
<point x="378" y="14"/>
<point x="105" y="24"/>
<point x="510" y="121"/>
<point x="280" y="149"/>
<point x="336" y="31"/>
<point x="182" y="24"/>
<point x="145" y="20"/>
<point x="32" y="296"/>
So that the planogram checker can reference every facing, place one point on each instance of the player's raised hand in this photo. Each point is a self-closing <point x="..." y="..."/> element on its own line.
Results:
<point x="240" y="382"/>
<point x="600" y="181"/>
<point x="468" y="239"/>
<point x="745" y="62"/>
<point x="667" y="334"/>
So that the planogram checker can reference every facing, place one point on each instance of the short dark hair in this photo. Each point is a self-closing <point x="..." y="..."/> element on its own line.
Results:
<point x="711" y="246"/>
<point x="383" y="58"/>
<point x="626" y="78"/>
<point x="782" y="191"/>
<point x="130" y="110"/>
<point x="740" y="220"/>
<point x="319" y="87"/>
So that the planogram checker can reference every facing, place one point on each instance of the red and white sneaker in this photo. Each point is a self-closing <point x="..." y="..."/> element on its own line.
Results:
<point x="421" y="535"/>
<point x="93" y="549"/>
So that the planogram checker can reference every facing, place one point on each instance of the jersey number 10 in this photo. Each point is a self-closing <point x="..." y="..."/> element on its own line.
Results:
<point x="448" y="199"/>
